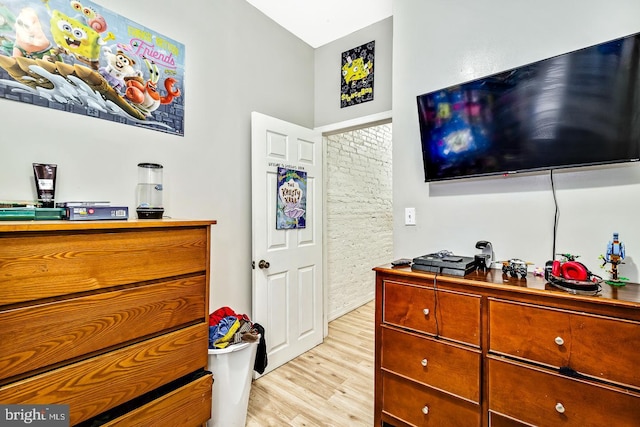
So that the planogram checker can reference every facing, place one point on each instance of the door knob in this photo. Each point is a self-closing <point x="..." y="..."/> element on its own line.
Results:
<point x="263" y="264"/>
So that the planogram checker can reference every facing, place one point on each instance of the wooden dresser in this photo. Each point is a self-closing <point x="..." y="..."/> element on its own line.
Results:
<point x="492" y="350"/>
<point x="109" y="317"/>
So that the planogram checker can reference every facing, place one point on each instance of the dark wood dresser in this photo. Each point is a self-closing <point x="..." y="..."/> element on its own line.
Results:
<point x="491" y="350"/>
<point x="109" y="317"/>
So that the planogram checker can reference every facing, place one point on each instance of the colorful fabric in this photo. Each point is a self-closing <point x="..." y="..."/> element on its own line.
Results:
<point x="222" y="334"/>
<point x="222" y="312"/>
<point x="219" y="314"/>
<point x="226" y="327"/>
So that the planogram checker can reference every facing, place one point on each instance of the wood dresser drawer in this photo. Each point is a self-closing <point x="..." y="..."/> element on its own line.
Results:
<point x="97" y="384"/>
<point x="193" y="401"/>
<point x="49" y="333"/>
<point x="447" y="367"/>
<point x="417" y="405"/>
<point x="448" y="314"/>
<point x="43" y="265"/>
<point x="543" y="398"/>
<point x="597" y="346"/>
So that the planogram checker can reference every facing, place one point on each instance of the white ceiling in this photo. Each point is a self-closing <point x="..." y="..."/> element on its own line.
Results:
<point x="319" y="22"/>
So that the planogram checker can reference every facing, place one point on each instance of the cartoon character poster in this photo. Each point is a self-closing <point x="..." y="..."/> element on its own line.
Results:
<point x="292" y="199"/>
<point x="357" y="75"/>
<point x="82" y="58"/>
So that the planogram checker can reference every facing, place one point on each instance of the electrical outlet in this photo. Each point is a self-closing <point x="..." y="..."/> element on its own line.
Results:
<point x="409" y="216"/>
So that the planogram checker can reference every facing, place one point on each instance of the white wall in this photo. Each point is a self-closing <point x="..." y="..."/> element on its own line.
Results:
<point x="439" y="43"/>
<point x="237" y="61"/>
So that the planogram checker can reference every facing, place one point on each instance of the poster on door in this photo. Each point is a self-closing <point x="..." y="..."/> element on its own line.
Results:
<point x="292" y="199"/>
<point x="79" y="57"/>
<point x="357" y="75"/>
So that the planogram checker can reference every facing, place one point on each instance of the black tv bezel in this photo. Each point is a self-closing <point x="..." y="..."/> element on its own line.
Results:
<point x="532" y="170"/>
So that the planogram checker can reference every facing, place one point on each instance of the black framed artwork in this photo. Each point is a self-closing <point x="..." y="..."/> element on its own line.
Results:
<point x="357" y="75"/>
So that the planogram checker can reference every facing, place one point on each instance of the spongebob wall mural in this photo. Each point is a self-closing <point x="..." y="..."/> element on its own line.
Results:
<point x="81" y="58"/>
<point x="357" y="75"/>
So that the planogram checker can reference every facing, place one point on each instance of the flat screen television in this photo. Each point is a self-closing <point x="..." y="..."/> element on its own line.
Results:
<point x="579" y="108"/>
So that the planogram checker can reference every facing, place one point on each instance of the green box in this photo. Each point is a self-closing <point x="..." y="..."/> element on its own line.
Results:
<point x="30" y="214"/>
<point x="17" y="214"/>
<point x="50" y="213"/>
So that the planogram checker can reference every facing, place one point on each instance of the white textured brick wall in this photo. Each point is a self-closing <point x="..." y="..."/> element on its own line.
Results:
<point x="359" y="220"/>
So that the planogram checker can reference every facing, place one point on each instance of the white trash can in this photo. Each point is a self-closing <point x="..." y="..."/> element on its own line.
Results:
<point x="232" y="369"/>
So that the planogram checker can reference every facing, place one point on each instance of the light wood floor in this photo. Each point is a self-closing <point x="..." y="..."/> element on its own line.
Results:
<point x="330" y="385"/>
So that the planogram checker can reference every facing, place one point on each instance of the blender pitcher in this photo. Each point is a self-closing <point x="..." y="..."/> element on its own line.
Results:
<point x="149" y="191"/>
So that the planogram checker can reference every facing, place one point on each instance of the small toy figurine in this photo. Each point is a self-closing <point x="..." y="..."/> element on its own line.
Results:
<point x="515" y="266"/>
<point x="614" y="256"/>
<point x="569" y="257"/>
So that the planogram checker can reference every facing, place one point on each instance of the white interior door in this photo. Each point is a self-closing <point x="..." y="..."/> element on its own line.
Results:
<point x="287" y="275"/>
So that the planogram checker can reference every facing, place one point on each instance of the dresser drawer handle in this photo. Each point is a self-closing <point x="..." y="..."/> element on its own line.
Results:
<point x="425" y="311"/>
<point x="559" y="341"/>
<point x="425" y="410"/>
<point x="424" y="362"/>
<point x="560" y="408"/>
